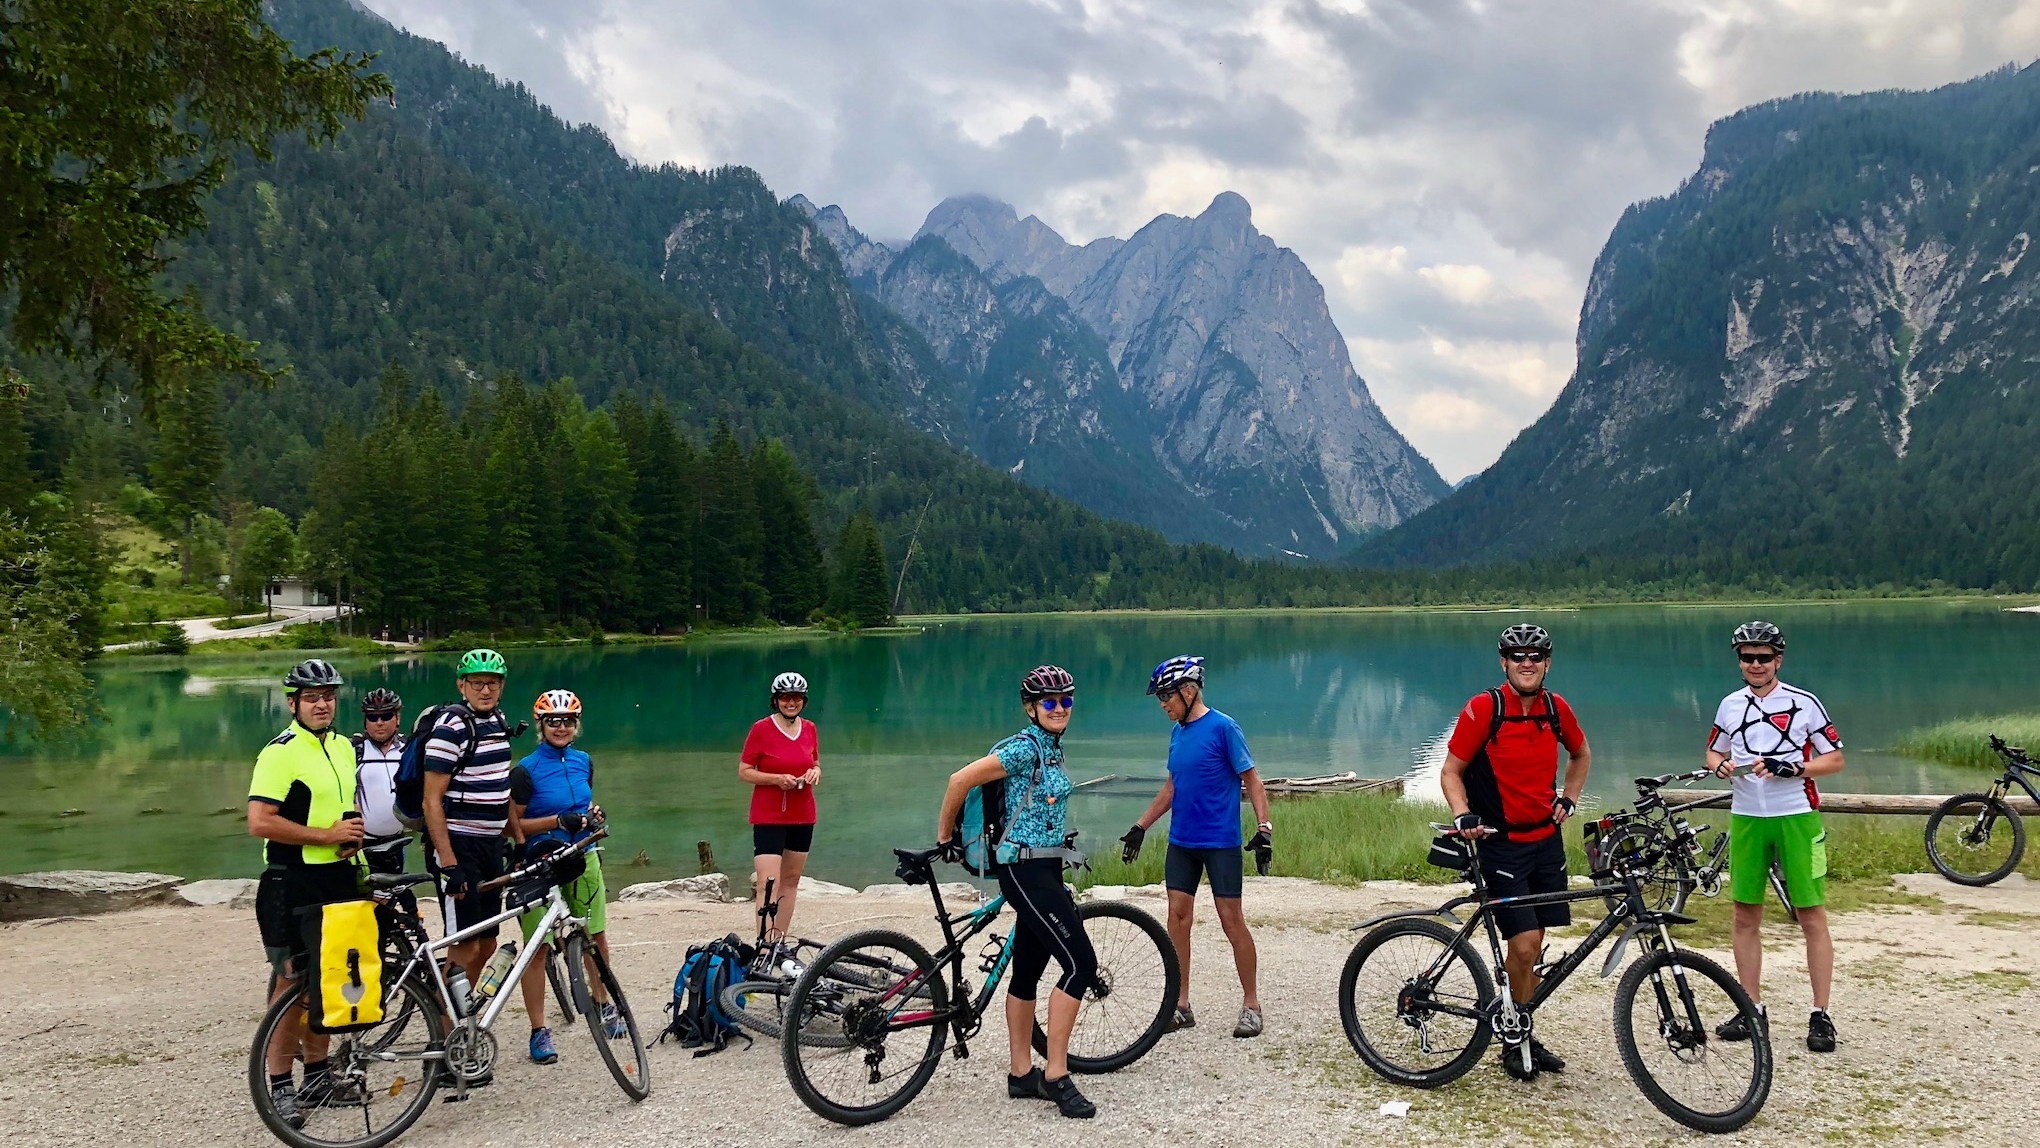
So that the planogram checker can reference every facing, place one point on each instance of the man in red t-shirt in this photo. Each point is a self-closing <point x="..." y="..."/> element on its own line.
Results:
<point x="782" y="760"/>
<point x="1500" y="778"/>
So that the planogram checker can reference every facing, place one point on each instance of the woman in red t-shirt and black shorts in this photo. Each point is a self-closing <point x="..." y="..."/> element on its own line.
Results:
<point x="782" y="759"/>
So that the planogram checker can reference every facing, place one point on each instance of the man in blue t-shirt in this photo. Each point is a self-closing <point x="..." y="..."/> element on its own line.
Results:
<point x="1208" y="764"/>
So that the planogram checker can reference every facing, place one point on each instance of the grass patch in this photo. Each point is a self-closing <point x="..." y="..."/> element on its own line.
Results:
<point x="1998" y="981"/>
<point x="1998" y="919"/>
<point x="1966" y="741"/>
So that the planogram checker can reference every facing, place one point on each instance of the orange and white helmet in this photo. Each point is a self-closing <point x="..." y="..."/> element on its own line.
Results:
<point x="556" y="703"/>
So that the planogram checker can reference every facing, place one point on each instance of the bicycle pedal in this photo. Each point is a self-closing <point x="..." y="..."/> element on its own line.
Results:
<point x="962" y="1051"/>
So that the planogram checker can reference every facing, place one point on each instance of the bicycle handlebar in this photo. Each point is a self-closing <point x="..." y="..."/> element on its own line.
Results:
<point x="531" y="868"/>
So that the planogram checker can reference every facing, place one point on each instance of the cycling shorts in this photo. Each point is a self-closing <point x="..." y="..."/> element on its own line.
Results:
<point x="1226" y="867"/>
<point x="1797" y="840"/>
<point x="775" y="839"/>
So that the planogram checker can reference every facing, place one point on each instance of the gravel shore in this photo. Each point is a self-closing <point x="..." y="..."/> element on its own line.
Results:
<point x="132" y="1029"/>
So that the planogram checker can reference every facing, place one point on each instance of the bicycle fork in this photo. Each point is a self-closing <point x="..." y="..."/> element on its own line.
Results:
<point x="1693" y="1034"/>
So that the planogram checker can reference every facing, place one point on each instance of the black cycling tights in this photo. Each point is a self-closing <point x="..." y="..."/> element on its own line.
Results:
<point x="1048" y="927"/>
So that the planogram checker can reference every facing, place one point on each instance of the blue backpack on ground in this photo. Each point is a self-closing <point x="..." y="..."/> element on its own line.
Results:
<point x="699" y="1021"/>
<point x="409" y="784"/>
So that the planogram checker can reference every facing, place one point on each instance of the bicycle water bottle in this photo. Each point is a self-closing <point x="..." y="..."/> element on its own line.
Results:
<point x="458" y="988"/>
<point x="494" y="972"/>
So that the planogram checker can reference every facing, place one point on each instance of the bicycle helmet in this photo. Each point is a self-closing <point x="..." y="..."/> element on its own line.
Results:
<point x="312" y="673"/>
<point x="556" y="703"/>
<point x="789" y="683"/>
<point x="1046" y="681"/>
<point x="1759" y="633"/>
<point x="1524" y="636"/>
<point x="381" y="700"/>
<point x="1174" y="672"/>
<point x="480" y="662"/>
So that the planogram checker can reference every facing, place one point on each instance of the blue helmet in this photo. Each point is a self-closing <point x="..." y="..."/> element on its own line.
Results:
<point x="1174" y="672"/>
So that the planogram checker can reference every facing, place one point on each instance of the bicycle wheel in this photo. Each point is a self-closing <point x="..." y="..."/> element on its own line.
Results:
<point x="1975" y="839"/>
<point x="616" y="1036"/>
<point x="891" y="1035"/>
<point x="557" y="978"/>
<point x="1669" y="1045"/>
<point x="760" y="1006"/>
<point x="1779" y="887"/>
<point x="382" y="1079"/>
<point x="1668" y="882"/>
<point x="1124" y="1014"/>
<point x="1390" y="998"/>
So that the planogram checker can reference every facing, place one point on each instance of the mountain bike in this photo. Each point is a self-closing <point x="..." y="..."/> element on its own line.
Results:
<point x="1977" y="838"/>
<point x="758" y="1002"/>
<point x="1661" y="829"/>
<point x="866" y="1045"/>
<point x="1420" y="1007"/>
<point x="385" y="1077"/>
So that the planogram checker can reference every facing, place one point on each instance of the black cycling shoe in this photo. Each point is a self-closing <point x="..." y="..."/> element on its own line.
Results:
<point x="1545" y="1059"/>
<point x="1181" y="1018"/>
<point x="1820" y="1032"/>
<point x="1735" y="1029"/>
<point x="1519" y="1061"/>
<point x="1026" y="1087"/>
<point x="1068" y="1100"/>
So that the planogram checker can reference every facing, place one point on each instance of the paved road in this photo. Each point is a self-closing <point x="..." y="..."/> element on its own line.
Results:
<point x="207" y="629"/>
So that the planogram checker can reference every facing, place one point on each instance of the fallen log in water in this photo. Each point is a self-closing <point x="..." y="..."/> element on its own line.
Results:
<point x="1335" y="783"/>
<point x="1910" y="804"/>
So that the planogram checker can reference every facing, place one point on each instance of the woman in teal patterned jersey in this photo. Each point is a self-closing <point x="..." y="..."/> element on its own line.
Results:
<point x="1029" y="860"/>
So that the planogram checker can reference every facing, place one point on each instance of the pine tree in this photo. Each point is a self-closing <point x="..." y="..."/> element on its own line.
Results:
<point x="17" y="482"/>
<point x="860" y="593"/>
<point x="189" y="448"/>
<point x="663" y="500"/>
<point x="514" y="569"/>
<point x="793" y="570"/>
<point x="730" y="540"/>
<point x="603" y="527"/>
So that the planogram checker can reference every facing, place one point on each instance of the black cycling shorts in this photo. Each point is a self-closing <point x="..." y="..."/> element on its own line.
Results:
<point x="1048" y="925"/>
<point x="777" y="839"/>
<point x="1227" y="869"/>
<point x="1519" y="868"/>
<point x="481" y="858"/>
<point x="280" y="892"/>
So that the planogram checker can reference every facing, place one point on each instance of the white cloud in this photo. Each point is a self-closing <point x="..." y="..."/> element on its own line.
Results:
<point x="1449" y="168"/>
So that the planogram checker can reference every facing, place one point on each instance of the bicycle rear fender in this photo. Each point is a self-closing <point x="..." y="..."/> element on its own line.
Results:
<point x="1444" y="911"/>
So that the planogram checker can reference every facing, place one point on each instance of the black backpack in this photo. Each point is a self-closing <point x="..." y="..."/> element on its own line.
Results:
<point x="699" y="1021"/>
<point x="1483" y="793"/>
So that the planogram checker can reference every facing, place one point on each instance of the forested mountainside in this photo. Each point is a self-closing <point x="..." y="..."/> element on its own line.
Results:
<point x="1199" y="352"/>
<point x="1815" y="360"/>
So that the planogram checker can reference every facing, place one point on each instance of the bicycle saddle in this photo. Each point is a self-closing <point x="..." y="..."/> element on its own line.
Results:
<point x="383" y="882"/>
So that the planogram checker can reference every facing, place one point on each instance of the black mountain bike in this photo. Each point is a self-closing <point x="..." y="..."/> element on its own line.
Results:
<point x="1977" y="838"/>
<point x="866" y="1045"/>
<point x="1685" y="866"/>
<point x="1420" y="1006"/>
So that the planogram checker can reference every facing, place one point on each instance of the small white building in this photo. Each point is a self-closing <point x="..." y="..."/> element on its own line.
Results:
<point x="297" y="592"/>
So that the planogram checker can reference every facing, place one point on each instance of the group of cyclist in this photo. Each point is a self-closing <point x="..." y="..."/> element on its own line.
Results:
<point x="324" y="805"/>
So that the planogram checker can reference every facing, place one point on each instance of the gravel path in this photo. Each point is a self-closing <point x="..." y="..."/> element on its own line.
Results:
<point x="132" y="1030"/>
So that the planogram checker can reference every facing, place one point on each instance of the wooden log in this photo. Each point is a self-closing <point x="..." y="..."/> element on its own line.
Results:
<point x="1905" y="804"/>
<point x="707" y="854"/>
<point x="1095" y="781"/>
<point x="1347" y="783"/>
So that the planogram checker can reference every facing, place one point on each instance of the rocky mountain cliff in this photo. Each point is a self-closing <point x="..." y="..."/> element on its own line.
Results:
<point x="1816" y="358"/>
<point x="1213" y="368"/>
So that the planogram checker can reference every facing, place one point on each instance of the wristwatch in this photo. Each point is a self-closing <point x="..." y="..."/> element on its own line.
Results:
<point x="1265" y="825"/>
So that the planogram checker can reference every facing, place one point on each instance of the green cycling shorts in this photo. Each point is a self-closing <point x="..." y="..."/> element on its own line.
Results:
<point x="586" y="897"/>
<point x="1798" y="841"/>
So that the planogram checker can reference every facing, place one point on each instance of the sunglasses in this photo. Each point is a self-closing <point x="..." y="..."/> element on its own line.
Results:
<point x="1049" y="704"/>
<point x="559" y="722"/>
<point x="1757" y="659"/>
<point x="1521" y="657"/>
<point x="379" y="715"/>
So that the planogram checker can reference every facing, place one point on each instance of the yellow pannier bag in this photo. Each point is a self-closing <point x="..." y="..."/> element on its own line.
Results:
<point x="345" y="943"/>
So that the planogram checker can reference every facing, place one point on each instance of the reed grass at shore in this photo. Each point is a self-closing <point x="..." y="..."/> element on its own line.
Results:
<point x="1966" y="741"/>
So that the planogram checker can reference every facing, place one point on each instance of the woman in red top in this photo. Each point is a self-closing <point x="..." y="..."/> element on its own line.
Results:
<point x="782" y="759"/>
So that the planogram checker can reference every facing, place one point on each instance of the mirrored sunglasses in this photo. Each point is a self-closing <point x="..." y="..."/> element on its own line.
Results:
<point x="1050" y="704"/>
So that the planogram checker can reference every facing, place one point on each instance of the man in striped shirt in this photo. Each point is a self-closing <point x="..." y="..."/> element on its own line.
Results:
<point x="467" y="804"/>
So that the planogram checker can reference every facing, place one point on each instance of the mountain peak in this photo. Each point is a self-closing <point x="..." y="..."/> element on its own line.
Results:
<point x="1229" y="209"/>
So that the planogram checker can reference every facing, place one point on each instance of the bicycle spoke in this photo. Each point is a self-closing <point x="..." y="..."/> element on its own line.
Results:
<point x="1969" y="838"/>
<point x="1698" y="1077"/>
<point x="378" y="1081"/>
<point x="1396" y="991"/>
<point x="874" y="1047"/>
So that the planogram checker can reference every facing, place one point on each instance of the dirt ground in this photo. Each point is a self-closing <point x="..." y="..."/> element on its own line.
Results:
<point x="132" y="1029"/>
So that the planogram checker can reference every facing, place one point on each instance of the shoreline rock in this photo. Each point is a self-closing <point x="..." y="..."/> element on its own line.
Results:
<point x="81" y="892"/>
<point x="703" y="887"/>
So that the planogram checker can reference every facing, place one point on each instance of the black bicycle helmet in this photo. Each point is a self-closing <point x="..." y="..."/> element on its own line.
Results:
<point x="1524" y="636"/>
<point x="1759" y="633"/>
<point x="312" y="673"/>
<point x="1046" y="681"/>
<point x="381" y="700"/>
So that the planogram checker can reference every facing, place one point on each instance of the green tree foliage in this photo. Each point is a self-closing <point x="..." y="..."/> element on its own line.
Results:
<point x="120" y="118"/>
<point x="267" y="549"/>
<point x="792" y="564"/>
<point x="664" y="505"/>
<point x="729" y="538"/>
<point x="189" y="445"/>
<point x="42" y="684"/>
<point x="860" y="593"/>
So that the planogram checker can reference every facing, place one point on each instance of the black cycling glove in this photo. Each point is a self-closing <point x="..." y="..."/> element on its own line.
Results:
<point x="573" y="822"/>
<point x="1780" y="767"/>
<point x="1263" y="849"/>
<point x="1131" y="844"/>
<point x="950" y="851"/>
<point x="453" y="881"/>
<point x="1466" y="821"/>
<point x="1565" y="803"/>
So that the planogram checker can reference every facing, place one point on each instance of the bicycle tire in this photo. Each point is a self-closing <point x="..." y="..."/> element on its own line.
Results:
<point x="760" y="1007"/>
<point x="561" y="992"/>
<point x="1986" y="808"/>
<point x="1482" y="985"/>
<point x="634" y="1078"/>
<point x="1784" y="892"/>
<point x="1103" y="1050"/>
<point x="1671" y="879"/>
<point x="1759" y="1090"/>
<point x="867" y="1024"/>
<point x="419" y="1004"/>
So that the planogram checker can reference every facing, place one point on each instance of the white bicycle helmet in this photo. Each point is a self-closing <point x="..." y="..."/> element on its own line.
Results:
<point x="789" y="683"/>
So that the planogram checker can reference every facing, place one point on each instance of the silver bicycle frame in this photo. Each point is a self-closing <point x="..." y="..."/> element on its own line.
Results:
<point x="555" y="913"/>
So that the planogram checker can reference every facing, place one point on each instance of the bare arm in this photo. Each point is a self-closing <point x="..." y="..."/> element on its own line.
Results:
<point x="1452" y="780"/>
<point x="1164" y="798"/>
<point x="1257" y="795"/>
<point x="1575" y="779"/>
<point x="984" y="769"/>
<point x="435" y="816"/>
<point x="268" y="822"/>
<point x="750" y="776"/>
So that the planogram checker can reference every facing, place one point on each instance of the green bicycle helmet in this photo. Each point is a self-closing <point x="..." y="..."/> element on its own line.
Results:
<point x="480" y="662"/>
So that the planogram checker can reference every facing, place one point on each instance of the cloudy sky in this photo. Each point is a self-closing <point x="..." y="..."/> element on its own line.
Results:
<point x="1448" y="168"/>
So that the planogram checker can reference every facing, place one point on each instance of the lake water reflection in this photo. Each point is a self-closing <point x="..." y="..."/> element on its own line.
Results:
<point x="161" y="784"/>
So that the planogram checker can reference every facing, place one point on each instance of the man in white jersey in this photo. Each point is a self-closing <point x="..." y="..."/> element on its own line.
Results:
<point x="378" y="751"/>
<point x="1784" y="738"/>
